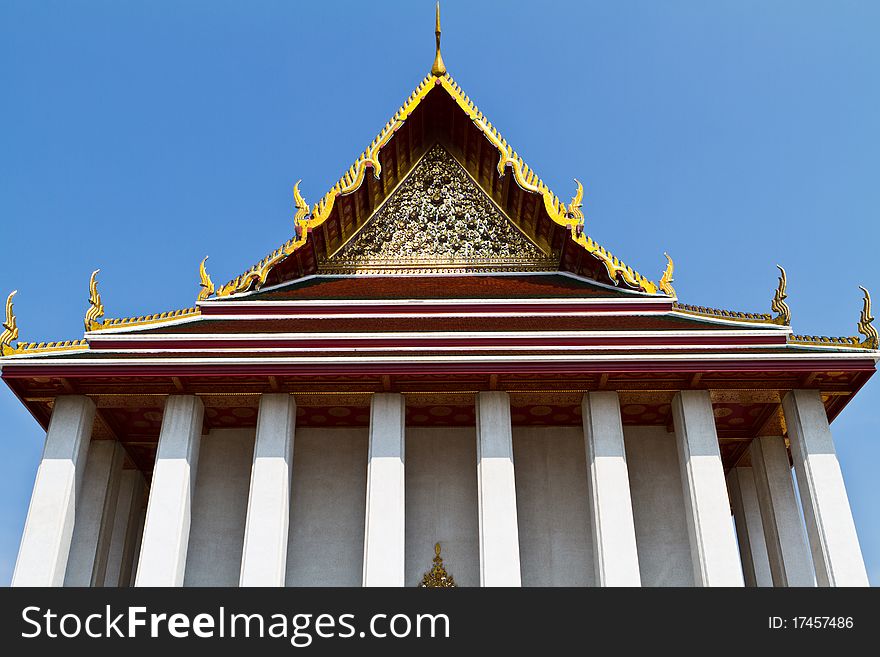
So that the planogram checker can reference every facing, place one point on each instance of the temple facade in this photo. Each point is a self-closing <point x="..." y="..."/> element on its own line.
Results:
<point x="439" y="356"/>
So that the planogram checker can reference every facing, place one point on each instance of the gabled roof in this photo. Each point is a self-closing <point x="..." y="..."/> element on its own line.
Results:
<point x="509" y="163"/>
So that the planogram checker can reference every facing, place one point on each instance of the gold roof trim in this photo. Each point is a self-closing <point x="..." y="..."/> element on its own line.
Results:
<point x="119" y="322"/>
<point x="718" y="313"/>
<point x="865" y="326"/>
<point x="570" y="216"/>
<point x="10" y="333"/>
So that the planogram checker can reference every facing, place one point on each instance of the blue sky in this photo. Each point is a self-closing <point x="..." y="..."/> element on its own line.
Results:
<point x="139" y="137"/>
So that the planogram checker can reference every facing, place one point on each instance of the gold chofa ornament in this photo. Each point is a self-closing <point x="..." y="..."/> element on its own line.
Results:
<point x="437" y="577"/>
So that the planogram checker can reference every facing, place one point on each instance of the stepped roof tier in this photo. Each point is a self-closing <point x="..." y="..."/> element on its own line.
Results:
<point x="439" y="265"/>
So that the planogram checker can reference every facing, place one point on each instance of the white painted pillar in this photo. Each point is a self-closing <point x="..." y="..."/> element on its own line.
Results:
<point x="384" y="536"/>
<point x="615" y="554"/>
<point x="496" y="490"/>
<point x="45" y="543"/>
<point x="95" y="513"/>
<point x="139" y="521"/>
<point x="837" y="556"/>
<point x="129" y="503"/>
<point x="783" y="530"/>
<point x="749" y="528"/>
<point x="713" y="544"/>
<point x="166" y="528"/>
<point x="264" y="555"/>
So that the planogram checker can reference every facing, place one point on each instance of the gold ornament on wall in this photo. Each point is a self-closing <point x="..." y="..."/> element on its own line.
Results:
<point x="437" y="577"/>
<point x="10" y="328"/>
<point x="778" y="305"/>
<point x="206" y="285"/>
<point x="866" y="326"/>
<point x="96" y="308"/>
<point x="666" y="280"/>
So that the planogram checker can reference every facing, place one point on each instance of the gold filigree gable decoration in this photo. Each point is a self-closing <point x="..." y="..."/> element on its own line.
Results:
<point x="437" y="577"/>
<point x="438" y="218"/>
<point x="10" y="328"/>
<point x="778" y="305"/>
<point x="866" y="323"/>
<point x="206" y="285"/>
<point x="666" y="279"/>
<point x="96" y="308"/>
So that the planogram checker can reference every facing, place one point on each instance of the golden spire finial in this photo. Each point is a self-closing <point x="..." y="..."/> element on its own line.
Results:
<point x="665" y="283"/>
<point x="439" y="68"/>
<point x="866" y="328"/>
<point x="778" y="305"/>
<point x="437" y="577"/>
<point x="205" y="282"/>
<point x="96" y="308"/>
<point x="10" y="328"/>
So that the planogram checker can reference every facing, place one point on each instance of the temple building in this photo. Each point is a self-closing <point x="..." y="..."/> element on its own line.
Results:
<point x="439" y="358"/>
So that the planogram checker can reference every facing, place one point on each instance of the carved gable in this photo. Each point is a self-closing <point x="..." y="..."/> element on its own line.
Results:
<point x="438" y="218"/>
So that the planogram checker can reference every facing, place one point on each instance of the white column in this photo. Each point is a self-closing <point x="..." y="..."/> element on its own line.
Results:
<point x="129" y="503"/>
<point x="837" y="556"/>
<point x="264" y="555"/>
<point x="95" y="513"/>
<point x="384" y="536"/>
<point x="713" y="544"/>
<point x="783" y="530"/>
<point x="749" y="530"/>
<point x="45" y="543"/>
<point x="166" y="528"/>
<point x="496" y="491"/>
<point x="135" y="556"/>
<point x="615" y="554"/>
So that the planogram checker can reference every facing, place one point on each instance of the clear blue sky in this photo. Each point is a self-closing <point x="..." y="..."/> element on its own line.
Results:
<point x="139" y="137"/>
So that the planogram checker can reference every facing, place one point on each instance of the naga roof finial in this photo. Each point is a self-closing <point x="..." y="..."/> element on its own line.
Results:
<point x="96" y="308"/>
<point x="302" y="208"/>
<point x="206" y="285"/>
<point x="778" y="305"/>
<point x="866" y="326"/>
<point x="10" y="328"/>
<point x="665" y="283"/>
<point x="439" y="68"/>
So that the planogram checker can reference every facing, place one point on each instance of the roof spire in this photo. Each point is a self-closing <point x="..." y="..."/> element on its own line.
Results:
<point x="439" y="68"/>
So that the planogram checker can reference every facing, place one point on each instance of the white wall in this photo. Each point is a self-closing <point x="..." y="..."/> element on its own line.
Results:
<point x="658" y="507"/>
<point x="552" y="506"/>
<point x="219" y="508"/>
<point x="441" y="502"/>
<point x="328" y="498"/>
